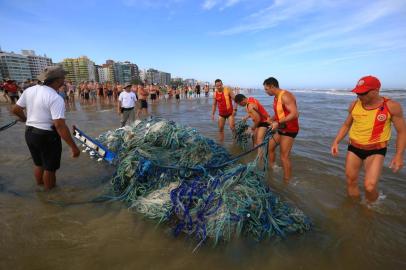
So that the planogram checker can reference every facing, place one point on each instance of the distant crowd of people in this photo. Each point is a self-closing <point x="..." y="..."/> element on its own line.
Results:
<point x="89" y="92"/>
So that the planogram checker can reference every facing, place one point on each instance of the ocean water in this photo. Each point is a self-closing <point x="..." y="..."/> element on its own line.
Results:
<point x="35" y="234"/>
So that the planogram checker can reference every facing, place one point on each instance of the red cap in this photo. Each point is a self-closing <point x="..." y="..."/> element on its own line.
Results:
<point x="366" y="84"/>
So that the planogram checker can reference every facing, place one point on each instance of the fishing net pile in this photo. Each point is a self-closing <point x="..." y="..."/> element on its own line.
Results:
<point x="175" y="175"/>
<point x="242" y="135"/>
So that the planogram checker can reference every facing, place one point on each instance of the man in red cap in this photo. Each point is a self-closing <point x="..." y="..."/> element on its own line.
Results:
<point x="369" y="125"/>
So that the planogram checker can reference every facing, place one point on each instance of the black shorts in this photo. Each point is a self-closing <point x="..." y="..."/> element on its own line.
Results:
<point x="289" y="134"/>
<point x="177" y="96"/>
<point x="363" y="154"/>
<point x="263" y="124"/>
<point x="153" y="96"/>
<point x="144" y="103"/>
<point x="45" y="147"/>
<point x="86" y="95"/>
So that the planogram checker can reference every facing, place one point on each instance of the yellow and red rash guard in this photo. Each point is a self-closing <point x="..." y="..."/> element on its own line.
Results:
<point x="281" y="112"/>
<point x="370" y="127"/>
<point x="264" y="115"/>
<point x="224" y="102"/>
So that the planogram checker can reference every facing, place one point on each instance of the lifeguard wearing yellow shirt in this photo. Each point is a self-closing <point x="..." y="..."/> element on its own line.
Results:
<point x="369" y="124"/>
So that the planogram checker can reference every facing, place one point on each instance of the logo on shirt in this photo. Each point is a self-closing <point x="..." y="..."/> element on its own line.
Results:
<point x="381" y="117"/>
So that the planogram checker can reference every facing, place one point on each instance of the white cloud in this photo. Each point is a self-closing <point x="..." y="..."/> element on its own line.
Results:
<point x="283" y="11"/>
<point x="209" y="4"/>
<point x="221" y="4"/>
<point x="343" y="31"/>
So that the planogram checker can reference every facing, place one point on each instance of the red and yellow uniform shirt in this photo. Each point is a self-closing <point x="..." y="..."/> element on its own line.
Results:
<point x="370" y="127"/>
<point x="281" y="112"/>
<point x="264" y="115"/>
<point x="224" y="102"/>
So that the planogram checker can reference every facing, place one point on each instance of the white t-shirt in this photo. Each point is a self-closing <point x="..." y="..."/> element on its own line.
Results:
<point x="127" y="99"/>
<point x="43" y="104"/>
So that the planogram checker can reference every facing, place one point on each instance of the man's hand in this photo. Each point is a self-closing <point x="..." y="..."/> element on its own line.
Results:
<point x="396" y="163"/>
<point x="274" y="125"/>
<point x="75" y="151"/>
<point x="212" y="117"/>
<point x="334" y="149"/>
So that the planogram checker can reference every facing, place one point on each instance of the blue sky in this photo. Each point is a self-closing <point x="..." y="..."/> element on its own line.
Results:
<point x="303" y="43"/>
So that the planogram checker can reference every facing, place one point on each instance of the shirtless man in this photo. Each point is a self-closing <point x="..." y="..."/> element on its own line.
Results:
<point x="142" y="108"/>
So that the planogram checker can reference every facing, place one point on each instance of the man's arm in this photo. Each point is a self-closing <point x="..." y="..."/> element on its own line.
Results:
<point x="19" y="112"/>
<point x="399" y="123"/>
<point x="63" y="131"/>
<point x="232" y="95"/>
<point x="342" y="131"/>
<point x="254" y="115"/>
<point x="119" y="105"/>
<point x="213" y="109"/>
<point x="290" y="103"/>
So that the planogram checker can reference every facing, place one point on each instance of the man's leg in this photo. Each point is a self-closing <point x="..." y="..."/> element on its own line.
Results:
<point x="132" y="116"/>
<point x="259" y="138"/>
<point x="231" y="123"/>
<point x="124" y="118"/>
<point x="286" y="144"/>
<point x="221" y="124"/>
<point x="49" y="179"/>
<point x="38" y="173"/>
<point x="352" y="167"/>
<point x="273" y="142"/>
<point x="373" y="169"/>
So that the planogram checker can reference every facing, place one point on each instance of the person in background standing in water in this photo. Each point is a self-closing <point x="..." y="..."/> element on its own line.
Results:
<point x="100" y="91"/>
<point x="197" y="88"/>
<point x="71" y="92"/>
<point x="185" y="90"/>
<point x="286" y="121"/>
<point x="223" y="98"/>
<point x="11" y="88"/>
<point x="369" y="123"/>
<point x="110" y="92"/>
<point x="206" y="90"/>
<point x="126" y="104"/>
<point x="152" y="92"/>
<point x="45" y="125"/>
<point x="177" y="94"/>
<point x="142" y="108"/>
<point x="115" y="92"/>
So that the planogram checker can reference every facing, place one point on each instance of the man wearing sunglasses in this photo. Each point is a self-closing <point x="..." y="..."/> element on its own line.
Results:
<point x="369" y="125"/>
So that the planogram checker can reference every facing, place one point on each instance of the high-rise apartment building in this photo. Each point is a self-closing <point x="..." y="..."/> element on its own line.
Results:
<point x="36" y="63"/>
<point x="14" y="66"/>
<point x="125" y="72"/>
<point x="80" y="69"/>
<point x="165" y="78"/>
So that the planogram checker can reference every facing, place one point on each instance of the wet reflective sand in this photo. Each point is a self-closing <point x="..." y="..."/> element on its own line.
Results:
<point x="38" y="234"/>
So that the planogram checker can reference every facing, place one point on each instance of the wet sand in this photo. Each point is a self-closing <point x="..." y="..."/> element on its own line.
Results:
<point x="37" y="234"/>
